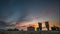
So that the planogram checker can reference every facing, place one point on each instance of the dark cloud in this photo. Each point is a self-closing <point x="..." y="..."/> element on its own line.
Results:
<point x="2" y="23"/>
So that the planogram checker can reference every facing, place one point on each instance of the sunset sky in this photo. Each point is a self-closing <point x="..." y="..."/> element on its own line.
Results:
<point x="17" y="13"/>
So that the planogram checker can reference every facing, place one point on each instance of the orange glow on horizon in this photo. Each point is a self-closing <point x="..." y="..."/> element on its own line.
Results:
<point x="34" y="23"/>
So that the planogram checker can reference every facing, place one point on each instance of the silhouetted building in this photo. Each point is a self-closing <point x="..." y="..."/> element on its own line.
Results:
<point x="40" y="26"/>
<point x="47" y="25"/>
<point x="30" y="28"/>
<point x="38" y="29"/>
<point x="55" y="28"/>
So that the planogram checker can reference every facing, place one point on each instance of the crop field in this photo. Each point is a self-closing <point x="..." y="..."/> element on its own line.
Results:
<point x="29" y="32"/>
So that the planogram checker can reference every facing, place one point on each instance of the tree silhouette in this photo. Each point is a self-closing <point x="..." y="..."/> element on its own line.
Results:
<point x="13" y="29"/>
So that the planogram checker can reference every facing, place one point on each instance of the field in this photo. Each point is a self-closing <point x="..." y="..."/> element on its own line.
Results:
<point x="29" y="32"/>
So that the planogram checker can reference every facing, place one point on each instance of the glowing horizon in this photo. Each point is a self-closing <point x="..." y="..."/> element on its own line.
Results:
<point x="34" y="23"/>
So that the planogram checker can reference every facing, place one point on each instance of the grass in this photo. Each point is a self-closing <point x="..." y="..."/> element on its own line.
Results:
<point x="29" y="32"/>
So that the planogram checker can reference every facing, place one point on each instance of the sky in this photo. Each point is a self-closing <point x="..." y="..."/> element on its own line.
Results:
<point x="24" y="12"/>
